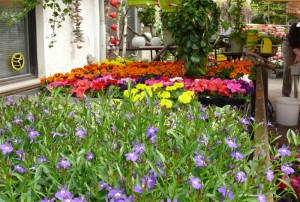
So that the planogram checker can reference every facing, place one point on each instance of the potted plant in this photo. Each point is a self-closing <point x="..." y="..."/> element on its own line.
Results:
<point x="192" y="24"/>
<point x="147" y="16"/>
<point x="237" y="20"/>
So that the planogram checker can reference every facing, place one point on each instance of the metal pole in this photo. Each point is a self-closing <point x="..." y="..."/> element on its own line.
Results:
<point x="102" y="31"/>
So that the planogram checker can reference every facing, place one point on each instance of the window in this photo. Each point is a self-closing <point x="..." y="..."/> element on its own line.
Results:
<point x="17" y="40"/>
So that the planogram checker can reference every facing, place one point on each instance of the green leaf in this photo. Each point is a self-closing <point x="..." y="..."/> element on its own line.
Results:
<point x="203" y="43"/>
<point x="3" y="197"/>
<point x="195" y="46"/>
<point x="195" y="59"/>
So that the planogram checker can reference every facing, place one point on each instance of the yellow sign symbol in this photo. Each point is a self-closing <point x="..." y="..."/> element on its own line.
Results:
<point x="17" y="61"/>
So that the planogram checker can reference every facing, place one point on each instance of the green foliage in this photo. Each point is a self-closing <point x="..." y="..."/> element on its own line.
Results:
<point x="113" y="128"/>
<point x="147" y="15"/>
<point x="237" y="20"/>
<point x="193" y="23"/>
<point x="269" y="12"/>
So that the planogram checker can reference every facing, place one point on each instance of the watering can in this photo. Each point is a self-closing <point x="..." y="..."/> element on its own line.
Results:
<point x="266" y="45"/>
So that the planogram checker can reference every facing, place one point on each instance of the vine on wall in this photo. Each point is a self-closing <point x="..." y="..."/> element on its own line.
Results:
<point x="20" y="8"/>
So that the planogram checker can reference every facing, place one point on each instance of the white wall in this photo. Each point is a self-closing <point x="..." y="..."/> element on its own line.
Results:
<point x="65" y="56"/>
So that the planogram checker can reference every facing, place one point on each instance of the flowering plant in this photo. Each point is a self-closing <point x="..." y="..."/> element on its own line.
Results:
<point x="123" y="151"/>
<point x="229" y="69"/>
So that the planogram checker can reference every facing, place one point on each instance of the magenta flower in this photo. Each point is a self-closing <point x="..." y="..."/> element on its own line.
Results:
<point x="196" y="182"/>
<point x="6" y="148"/>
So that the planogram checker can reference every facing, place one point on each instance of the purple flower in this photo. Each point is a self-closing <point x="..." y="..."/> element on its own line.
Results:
<point x="245" y="121"/>
<point x="269" y="175"/>
<point x="131" y="156"/>
<point x="6" y="148"/>
<point x="231" y="143"/>
<point x="71" y="114"/>
<point x="9" y="100"/>
<point x="240" y="176"/>
<point x="138" y="189"/>
<point x="20" y="154"/>
<point x="89" y="156"/>
<point x="226" y="193"/>
<point x="19" y="169"/>
<point x="203" y="116"/>
<point x="48" y="200"/>
<point x="46" y="111"/>
<point x="63" y="193"/>
<point x="57" y="134"/>
<point x="79" y="199"/>
<point x="63" y="164"/>
<point x="151" y="131"/>
<point x="170" y="200"/>
<point x="261" y="198"/>
<point x="196" y="182"/>
<point x="81" y="132"/>
<point x="41" y="160"/>
<point x="102" y="185"/>
<point x="200" y="162"/>
<point x="32" y="135"/>
<point x="283" y="151"/>
<point x="237" y="155"/>
<point x="138" y="148"/>
<point x="287" y="168"/>
<point x="30" y="118"/>
<point x="152" y="139"/>
<point x="17" y="120"/>
<point x="116" y="194"/>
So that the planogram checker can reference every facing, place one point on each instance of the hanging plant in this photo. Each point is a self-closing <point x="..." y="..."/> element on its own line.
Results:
<point x="58" y="13"/>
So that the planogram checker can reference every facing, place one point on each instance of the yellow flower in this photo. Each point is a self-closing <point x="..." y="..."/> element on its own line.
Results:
<point x="164" y="94"/>
<point x="149" y="90"/>
<point x="132" y="92"/>
<point x="136" y="98"/>
<point x="179" y="84"/>
<point x="171" y="88"/>
<point x="185" y="97"/>
<point x="166" y="103"/>
<point x="141" y="86"/>
<point x="156" y="86"/>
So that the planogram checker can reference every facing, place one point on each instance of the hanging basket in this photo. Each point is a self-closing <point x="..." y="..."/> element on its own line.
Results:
<point x="140" y="2"/>
<point x="168" y="5"/>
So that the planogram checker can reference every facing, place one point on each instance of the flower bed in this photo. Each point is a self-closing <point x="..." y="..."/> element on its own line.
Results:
<point x="132" y="151"/>
<point x="92" y="81"/>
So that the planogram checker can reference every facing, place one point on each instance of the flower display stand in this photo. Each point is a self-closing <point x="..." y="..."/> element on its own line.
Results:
<point x="221" y="102"/>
